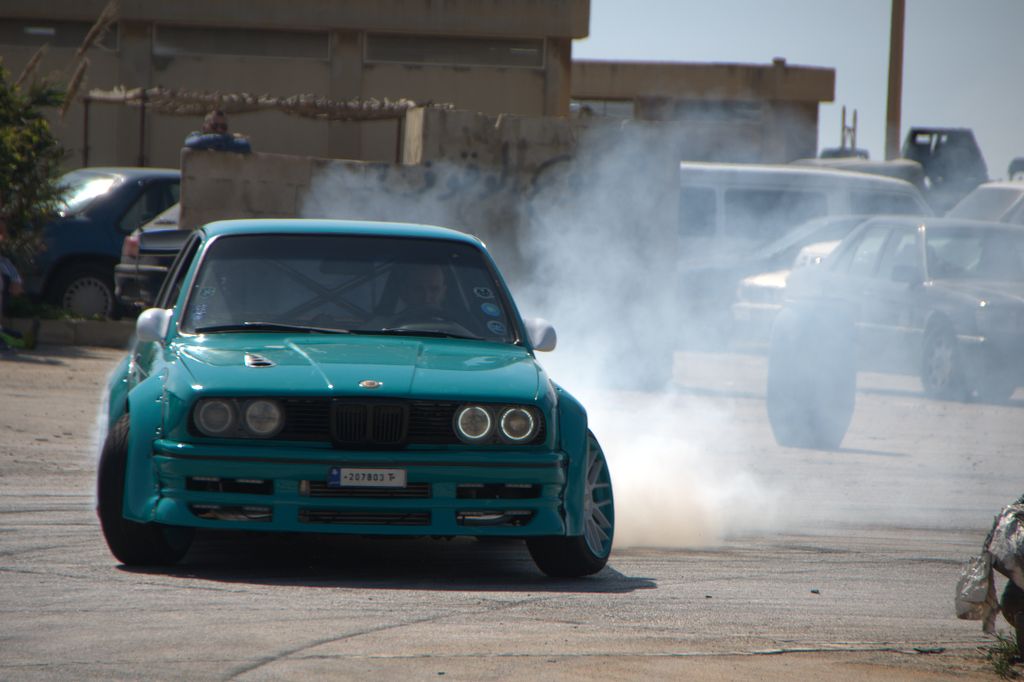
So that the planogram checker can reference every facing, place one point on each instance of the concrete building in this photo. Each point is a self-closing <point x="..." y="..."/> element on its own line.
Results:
<point x="730" y="112"/>
<point x="492" y="56"/>
<point x="489" y="56"/>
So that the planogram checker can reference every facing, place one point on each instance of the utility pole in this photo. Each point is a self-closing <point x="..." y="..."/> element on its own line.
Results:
<point x="893" y="110"/>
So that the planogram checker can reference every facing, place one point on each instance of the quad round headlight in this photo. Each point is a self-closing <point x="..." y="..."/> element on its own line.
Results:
<point x="473" y="423"/>
<point x="216" y="417"/>
<point x="518" y="425"/>
<point x="263" y="418"/>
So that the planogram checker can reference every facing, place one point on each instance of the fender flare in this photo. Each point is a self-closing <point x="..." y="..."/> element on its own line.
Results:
<point x="141" y="487"/>
<point x="572" y="429"/>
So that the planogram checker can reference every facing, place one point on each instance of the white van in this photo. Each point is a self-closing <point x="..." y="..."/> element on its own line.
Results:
<point x="731" y="208"/>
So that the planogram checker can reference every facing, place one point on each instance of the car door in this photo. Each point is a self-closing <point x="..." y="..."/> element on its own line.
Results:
<point x="853" y="281"/>
<point x="895" y="315"/>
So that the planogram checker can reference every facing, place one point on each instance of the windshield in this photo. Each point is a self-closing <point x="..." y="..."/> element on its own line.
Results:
<point x="991" y="255"/>
<point x="81" y="187"/>
<point x="357" y="284"/>
<point x="813" y="231"/>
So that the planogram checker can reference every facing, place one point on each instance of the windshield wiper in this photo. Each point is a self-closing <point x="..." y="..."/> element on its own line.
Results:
<point x="268" y="327"/>
<point x="402" y="331"/>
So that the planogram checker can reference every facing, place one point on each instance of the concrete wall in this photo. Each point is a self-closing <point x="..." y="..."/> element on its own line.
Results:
<point x="732" y="112"/>
<point x="497" y="177"/>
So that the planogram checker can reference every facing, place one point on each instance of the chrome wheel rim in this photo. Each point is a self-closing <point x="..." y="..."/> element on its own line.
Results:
<point x="88" y="297"/>
<point x="598" y="505"/>
<point x="940" y="363"/>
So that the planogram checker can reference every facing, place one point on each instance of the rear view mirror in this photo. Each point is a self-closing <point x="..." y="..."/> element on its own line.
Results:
<point x="542" y="334"/>
<point x="152" y="324"/>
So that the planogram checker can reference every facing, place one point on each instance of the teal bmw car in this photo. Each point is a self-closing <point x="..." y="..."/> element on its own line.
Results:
<point x="346" y="377"/>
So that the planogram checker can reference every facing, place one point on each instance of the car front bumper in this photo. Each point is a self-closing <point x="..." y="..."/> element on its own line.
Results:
<point x="502" y="492"/>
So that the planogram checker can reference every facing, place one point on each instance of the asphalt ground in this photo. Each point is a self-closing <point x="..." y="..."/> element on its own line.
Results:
<point x="734" y="558"/>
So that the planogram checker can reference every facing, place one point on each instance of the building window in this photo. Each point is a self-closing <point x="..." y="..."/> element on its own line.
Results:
<point x="601" y="107"/>
<point x="173" y="41"/>
<point x="37" y="32"/>
<point x="448" y="51"/>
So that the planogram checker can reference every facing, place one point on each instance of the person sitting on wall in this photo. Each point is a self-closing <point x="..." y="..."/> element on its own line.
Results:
<point x="215" y="136"/>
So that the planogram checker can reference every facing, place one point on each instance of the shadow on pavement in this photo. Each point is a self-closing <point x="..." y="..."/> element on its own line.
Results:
<point x="460" y="564"/>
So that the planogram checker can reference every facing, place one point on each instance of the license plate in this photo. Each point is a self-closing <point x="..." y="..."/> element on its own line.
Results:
<point x="341" y="477"/>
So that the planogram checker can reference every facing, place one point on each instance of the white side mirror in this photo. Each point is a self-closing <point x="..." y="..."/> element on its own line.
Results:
<point x="542" y="334"/>
<point x="152" y="324"/>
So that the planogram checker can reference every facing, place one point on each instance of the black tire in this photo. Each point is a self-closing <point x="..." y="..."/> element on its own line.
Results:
<point x="581" y="555"/>
<point x="812" y="381"/>
<point x="85" y="290"/>
<point x="942" y="368"/>
<point x="133" y="544"/>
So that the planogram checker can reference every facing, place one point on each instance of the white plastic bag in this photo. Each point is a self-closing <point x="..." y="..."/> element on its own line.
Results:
<point x="976" y="592"/>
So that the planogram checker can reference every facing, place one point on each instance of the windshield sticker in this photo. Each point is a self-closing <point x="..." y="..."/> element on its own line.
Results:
<point x="207" y="292"/>
<point x="491" y="309"/>
<point x="199" y="312"/>
<point x="496" y="327"/>
<point x="483" y="292"/>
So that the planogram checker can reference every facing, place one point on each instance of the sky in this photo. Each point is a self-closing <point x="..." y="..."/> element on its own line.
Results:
<point x="963" y="63"/>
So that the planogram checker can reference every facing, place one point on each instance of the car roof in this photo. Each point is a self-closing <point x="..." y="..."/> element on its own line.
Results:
<point x="941" y="223"/>
<point x="132" y="172"/>
<point x="801" y="175"/>
<point x="1017" y="185"/>
<point x="325" y="226"/>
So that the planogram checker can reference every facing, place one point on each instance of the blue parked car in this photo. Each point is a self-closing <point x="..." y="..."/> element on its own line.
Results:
<point x="75" y="270"/>
<point x="346" y="377"/>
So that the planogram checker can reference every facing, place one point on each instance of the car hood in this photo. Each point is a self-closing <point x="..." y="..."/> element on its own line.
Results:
<point x="335" y="365"/>
<point x="991" y="292"/>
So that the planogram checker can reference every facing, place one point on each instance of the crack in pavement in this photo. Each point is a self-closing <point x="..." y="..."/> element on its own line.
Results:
<point x="369" y="631"/>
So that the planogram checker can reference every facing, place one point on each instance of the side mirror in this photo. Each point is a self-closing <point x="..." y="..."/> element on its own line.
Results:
<point x="542" y="334"/>
<point x="908" y="274"/>
<point x="152" y="324"/>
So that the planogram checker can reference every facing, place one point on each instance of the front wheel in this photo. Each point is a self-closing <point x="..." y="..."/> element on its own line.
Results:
<point x="86" y="291"/>
<point x="580" y="555"/>
<point x="942" y="367"/>
<point x="133" y="544"/>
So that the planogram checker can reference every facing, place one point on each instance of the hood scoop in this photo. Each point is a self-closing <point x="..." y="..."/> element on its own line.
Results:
<point x="257" y="360"/>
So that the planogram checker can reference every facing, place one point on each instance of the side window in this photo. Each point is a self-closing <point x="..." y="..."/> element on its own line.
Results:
<point x="860" y="259"/>
<point x="871" y="203"/>
<point x="168" y="295"/>
<point x="901" y="251"/>
<point x="154" y="199"/>
<point x="697" y="212"/>
<point x="764" y="214"/>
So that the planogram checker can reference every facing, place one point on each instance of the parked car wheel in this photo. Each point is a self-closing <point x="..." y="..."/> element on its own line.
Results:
<point x="812" y="380"/>
<point x="575" y="556"/>
<point x="942" y="369"/>
<point x="85" y="290"/>
<point x="134" y="544"/>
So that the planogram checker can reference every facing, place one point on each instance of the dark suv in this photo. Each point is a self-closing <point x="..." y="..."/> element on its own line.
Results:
<point x="75" y="269"/>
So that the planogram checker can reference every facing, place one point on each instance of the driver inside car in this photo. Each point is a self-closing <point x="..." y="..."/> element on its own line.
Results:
<point x="423" y="289"/>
